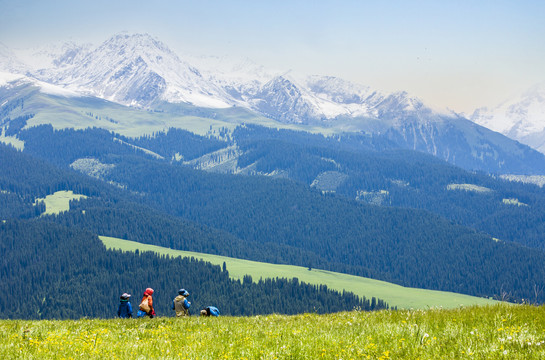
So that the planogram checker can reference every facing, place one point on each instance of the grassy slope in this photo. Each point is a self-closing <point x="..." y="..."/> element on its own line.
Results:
<point x="491" y="332"/>
<point x="59" y="201"/>
<point x="394" y="295"/>
<point x="83" y="112"/>
<point x="127" y="121"/>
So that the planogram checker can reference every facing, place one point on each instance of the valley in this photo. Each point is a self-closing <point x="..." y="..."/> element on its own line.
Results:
<point x="397" y="203"/>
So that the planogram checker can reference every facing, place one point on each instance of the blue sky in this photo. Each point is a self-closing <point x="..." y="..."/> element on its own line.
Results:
<point x="457" y="54"/>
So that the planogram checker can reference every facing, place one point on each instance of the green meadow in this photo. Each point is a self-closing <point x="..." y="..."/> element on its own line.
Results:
<point x="481" y="332"/>
<point x="394" y="295"/>
<point x="59" y="201"/>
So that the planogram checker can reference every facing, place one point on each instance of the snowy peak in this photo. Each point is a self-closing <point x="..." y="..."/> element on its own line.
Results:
<point x="282" y="100"/>
<point x="134" y="70"/>
<point x="401" y="103"/>
<point x="521" y="118"/>
<point x="339" y="90"/>
<point x="138" y="48"/>
<point x="140" y="43"/>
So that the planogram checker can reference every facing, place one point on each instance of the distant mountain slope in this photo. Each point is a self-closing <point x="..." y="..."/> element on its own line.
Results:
<point x="351" y="167"/>
<point x="456" y="140"/>
<point x="521" y="118"/>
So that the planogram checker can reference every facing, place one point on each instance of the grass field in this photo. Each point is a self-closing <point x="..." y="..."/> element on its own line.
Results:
<point x="59" y="201"/>
<point x="487" y="332"/>
<point x="394" y="295"/>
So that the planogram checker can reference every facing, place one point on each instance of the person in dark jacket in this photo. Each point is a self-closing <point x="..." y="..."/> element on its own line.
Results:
<point x="180" y="304"/>
<point x="210" y="310"/>
<point x="124" y="310"/>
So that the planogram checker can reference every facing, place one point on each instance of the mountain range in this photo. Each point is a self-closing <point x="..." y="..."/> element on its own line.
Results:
<point x="142" y="72"/>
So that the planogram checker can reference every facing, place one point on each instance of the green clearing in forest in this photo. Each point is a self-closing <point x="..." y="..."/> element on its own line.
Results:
<point x="59" y="201"/>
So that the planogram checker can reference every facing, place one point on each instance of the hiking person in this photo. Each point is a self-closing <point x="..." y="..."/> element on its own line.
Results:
<point x="210" y="310"/>
<point x="180" y="304"/>
<point x="124" y="310"/>
<point x="146" y="306"/>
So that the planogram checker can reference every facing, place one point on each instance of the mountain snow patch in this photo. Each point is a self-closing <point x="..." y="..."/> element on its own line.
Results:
<point x="7" y="78"/>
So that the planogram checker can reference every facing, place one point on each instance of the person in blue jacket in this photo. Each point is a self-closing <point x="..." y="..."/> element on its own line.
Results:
<point x="180" y="304"/>
<point x="124" y="310"/>
<point x="210" y="310"/>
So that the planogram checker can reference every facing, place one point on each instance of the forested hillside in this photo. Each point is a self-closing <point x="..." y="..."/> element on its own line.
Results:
<point x="59" y="272"/>
<point x="350" y="236"/>
<point x="400" y="178"/>
<point x="355" y="166"/>
<point x="281" y="221"/>
<point x="296" y="220"/>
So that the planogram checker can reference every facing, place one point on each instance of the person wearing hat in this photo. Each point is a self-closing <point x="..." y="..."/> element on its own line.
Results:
<point x="146" y="306"/>
<point x="124" y="310"/>
<point x="180" y="304"/>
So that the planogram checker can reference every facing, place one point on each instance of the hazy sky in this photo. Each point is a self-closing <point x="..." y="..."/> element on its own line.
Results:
<point x="456" y="54"/>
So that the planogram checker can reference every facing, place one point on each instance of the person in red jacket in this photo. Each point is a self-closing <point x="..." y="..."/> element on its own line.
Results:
<point x="146" y="306"/>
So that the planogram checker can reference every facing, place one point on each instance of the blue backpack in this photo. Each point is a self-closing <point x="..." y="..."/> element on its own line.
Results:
<point x="214" y="311"/>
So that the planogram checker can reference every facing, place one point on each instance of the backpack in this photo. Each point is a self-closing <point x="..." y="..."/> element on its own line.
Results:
<point x="144" y="305"/>
<point x="214" y="311"/>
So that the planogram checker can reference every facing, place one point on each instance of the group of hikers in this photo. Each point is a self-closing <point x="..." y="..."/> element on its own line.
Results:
<point x="180" y="305"/>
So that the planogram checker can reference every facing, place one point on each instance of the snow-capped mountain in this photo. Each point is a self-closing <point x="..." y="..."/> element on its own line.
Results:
<point x="521" y="118"/>
<point x="135" y="70"/>
<point x="141" y="71"/>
